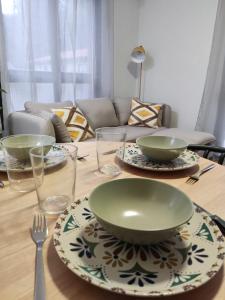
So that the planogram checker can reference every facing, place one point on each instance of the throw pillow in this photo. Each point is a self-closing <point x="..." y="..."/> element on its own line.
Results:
<point x="76" y="123"/>
<point x="145" y="114"/>
<point x="44" y="110"/>
<point x="61" y="133"/>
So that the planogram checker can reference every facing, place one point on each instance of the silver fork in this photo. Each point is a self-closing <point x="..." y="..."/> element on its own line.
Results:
<point x="39" y="234"/>
<point x="195" y="177"/>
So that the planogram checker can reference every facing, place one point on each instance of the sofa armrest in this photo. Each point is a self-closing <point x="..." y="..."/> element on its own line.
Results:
<point x="21" y="122"/>
<point x="166" y="117"/>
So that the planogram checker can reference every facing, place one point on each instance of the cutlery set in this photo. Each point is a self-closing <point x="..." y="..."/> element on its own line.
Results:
<point x="195" y="177"/>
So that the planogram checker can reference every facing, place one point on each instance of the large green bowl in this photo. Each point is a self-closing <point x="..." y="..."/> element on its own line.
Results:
<point x="140" y="211"/>
<point x="161" y="148"/>
<point x="19" y="145"/>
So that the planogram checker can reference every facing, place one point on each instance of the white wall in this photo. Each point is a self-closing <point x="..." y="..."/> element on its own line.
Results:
<point x="126" y="20"/>
<point x="178" y="35"/>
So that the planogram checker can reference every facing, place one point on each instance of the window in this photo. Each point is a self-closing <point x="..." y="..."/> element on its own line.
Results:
<point x="54" y="49"/>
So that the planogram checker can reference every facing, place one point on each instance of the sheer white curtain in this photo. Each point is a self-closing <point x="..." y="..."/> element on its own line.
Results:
<point x="212" y="110"/>
<point x="55" y="50"/>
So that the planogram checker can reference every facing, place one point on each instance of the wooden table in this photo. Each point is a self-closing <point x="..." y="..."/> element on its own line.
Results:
<point x="17" y="250"/>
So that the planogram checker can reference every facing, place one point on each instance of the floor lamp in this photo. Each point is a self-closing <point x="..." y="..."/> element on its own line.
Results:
<point x="138" y="56"/>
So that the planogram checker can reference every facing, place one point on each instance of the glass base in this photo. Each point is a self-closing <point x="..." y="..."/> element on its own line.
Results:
<point x="110" y="170"/>
<point x="23" y="185"/>
<point x="55" y="204"/>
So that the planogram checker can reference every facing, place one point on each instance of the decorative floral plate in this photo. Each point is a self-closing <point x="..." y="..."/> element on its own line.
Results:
<point x="134" y="157"/>
<point x="52" y="161"/>
<point x="188" y="260"/>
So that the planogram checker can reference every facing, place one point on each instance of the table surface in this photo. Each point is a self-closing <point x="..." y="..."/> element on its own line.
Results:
<point x="17" y="250"/>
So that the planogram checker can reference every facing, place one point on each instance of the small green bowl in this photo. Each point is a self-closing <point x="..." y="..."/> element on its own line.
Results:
<point x="140" y="211"/>
<point x="19" y="145"/>
<point x="161" y="148"/>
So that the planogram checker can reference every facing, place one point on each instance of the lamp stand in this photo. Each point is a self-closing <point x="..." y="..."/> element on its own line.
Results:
<point x="139" y="96"/>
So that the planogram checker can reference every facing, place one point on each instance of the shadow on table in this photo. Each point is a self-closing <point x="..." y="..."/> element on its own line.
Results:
<point x="157" y="174"/>
<point x="3" y="175"/>
<point x="72" y="287"/>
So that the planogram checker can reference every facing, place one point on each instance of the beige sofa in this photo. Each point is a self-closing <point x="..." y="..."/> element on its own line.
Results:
<point x="38" y="119"/>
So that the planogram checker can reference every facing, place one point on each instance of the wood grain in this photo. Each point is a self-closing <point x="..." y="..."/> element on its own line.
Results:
<point x="17" y="251"/>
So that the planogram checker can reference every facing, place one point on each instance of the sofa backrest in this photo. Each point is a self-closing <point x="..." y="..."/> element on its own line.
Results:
<point x="100" y="112"/>
<point x="34" y="107"/>
<point x="21" y="122"/>
<point x="123" y="108"/>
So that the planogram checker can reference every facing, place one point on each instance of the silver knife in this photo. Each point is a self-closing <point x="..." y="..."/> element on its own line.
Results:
<point x="82" y="157"/>
<point x="219" y="221"/>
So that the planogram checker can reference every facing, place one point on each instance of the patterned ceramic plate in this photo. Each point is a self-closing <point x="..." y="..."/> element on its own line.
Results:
<point x="189" y="259"/>
<point x="52" y="161"/>
<point x="134" y="157"/>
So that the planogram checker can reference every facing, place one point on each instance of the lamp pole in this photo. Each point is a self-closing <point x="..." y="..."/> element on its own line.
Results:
<point x="140" y="81"/>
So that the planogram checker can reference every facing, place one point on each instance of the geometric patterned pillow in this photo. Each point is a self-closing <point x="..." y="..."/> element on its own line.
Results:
<point x="76" y="123"/>
<point x="145" y="114"/>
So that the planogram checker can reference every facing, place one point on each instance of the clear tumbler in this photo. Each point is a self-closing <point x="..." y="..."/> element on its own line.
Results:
<point x="55" y="176"/>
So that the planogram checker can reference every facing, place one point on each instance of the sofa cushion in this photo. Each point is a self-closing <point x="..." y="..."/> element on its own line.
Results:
<point x="100" y="112"/>
<point x="122" y="108"/>
<point x="191" y="137"/>
<point x="33" y="107"/>
<point x="76" y="123"/>
<point x="145" y="114"/>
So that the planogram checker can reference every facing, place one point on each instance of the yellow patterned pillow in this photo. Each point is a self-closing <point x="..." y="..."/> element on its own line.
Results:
<point x="76" y="123"/>
<point x="145" y="114"/>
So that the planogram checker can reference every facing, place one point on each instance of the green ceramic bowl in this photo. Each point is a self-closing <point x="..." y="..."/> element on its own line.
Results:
<point x="161" y="148"/>
<point x="140" y="211"/>
<point x="19" y="145"/>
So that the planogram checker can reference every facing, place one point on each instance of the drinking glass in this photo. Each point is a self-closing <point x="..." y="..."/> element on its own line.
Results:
<point x="55" y="176"/>
<point x="19" y="171"/>
<point x="108" y="141"/>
